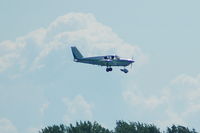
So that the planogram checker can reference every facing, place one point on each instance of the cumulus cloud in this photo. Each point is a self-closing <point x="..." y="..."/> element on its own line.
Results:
<point x="187" y="89"/>
<point x="135" y="98"/>
<point x="80" y="29"/>
<point x="77" y="109"/>
<point x="6" y="126"/>
<point x="179" y="101"/>
<point x="33" y="130"/>
<point x="187" y="80"/>
<point x="44" y="107"/>
<point x="172" y="118"/>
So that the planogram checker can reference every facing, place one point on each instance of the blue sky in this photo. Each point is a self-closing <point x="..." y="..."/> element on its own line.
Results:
<point x="40" y="84"/>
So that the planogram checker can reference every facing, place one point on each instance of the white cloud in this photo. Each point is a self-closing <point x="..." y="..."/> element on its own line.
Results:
<point x="77" y="109"/>
<point x="6" y="126"/>
<point x="80" y="29"/>
<point x="33" y="130"/>
<point x="187" y="80"/>
<point x="179" y="102"/>
<point x="172" y="118"/>
<point x="187" y="90"/>
<point x="135" y="98"/>
<point x="44" y="107"/>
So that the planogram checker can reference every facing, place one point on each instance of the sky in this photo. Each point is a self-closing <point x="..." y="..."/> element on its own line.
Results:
<point x="40" y="85"/>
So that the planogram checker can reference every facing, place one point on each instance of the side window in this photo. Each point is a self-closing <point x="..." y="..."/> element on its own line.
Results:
<point x="117" y="57"/>
<point x="109" y="57"/>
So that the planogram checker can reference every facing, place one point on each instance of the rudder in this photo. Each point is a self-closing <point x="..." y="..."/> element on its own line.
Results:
<point x="76" y="53"/>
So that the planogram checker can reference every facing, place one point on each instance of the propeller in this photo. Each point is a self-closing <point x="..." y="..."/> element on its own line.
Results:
<point x="132" y="62"/>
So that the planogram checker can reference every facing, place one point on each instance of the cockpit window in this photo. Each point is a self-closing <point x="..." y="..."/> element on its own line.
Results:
<point x="112" y="57"/>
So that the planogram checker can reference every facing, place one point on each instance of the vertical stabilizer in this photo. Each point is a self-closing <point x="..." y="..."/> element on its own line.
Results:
<point x="77" y="55"/>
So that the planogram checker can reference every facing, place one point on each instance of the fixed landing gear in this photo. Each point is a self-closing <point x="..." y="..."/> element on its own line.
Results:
<point x="108" y="69"/>
<point x="124" y="70"/>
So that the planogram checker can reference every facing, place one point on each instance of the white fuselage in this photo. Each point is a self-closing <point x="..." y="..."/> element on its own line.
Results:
<point x="108" y="61"/>
<point x="105" y="61"/>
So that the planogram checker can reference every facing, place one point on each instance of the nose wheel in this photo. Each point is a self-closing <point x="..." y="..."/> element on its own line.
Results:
<point x="108" y="69"/>
<point x="124" y="70"/>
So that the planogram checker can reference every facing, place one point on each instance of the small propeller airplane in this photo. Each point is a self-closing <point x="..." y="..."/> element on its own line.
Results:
<point x="108" y="60"/>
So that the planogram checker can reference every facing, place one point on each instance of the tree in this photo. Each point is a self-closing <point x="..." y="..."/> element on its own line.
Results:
<point x="135" y="127"/>
<point x="54" y="129"/>
<point x="180" y="129"/>
<point x="80" y="127"/>
<point x="121" y="127"/>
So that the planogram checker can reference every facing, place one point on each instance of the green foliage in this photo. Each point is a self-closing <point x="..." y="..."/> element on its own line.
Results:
<point x="86" y="127"/>
<point x="121" y="127"/>
<point x="80" y="127"/>
<point x="179" y="129"/>
<point x="135" y="127"/>
<point x="54" y="129"/>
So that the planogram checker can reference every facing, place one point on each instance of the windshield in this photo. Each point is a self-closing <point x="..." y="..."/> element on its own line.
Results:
<point x="117" y="57"/>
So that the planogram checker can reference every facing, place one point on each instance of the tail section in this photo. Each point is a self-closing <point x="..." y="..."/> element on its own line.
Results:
<point x="77" y="55"/>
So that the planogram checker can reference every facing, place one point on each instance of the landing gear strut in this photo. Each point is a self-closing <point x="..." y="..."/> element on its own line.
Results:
<point x="108" y="69"/>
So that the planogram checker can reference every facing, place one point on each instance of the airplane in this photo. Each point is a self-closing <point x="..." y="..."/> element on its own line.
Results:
<point x="108" y="60"/>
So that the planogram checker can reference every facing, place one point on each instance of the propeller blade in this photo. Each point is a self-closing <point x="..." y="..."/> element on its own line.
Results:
<point x="132" y="62"/>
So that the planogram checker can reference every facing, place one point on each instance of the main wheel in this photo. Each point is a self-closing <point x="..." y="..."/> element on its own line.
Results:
<point x="110" y="69"/>
<point x="107" y="69"/>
